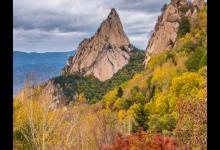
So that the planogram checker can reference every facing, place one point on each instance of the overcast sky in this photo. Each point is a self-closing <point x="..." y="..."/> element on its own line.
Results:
<point x="60" y="25"/>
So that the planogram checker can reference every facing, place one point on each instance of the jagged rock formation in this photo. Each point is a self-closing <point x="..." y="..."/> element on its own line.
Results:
<point x="166" y="29"/>
<point x="103" y="54"/>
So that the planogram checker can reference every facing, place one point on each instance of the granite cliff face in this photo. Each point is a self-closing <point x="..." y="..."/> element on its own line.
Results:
<point x="103" y="54"/>
<point x="166" y="29"/>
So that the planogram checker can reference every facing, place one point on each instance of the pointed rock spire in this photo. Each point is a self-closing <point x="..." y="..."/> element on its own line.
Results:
<point x="103" y="54"/>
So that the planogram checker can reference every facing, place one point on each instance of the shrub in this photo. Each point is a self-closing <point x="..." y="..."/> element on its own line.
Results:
<point x="143" y="141"/>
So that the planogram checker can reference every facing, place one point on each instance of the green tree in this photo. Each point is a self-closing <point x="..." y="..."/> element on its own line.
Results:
<point x="141" y="118"/>
<point x="184" y="26"/>
<point x="120" y="92"/>
<point x="197" y="59"/>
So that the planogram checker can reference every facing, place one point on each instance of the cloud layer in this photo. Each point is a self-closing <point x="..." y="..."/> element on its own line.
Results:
<point x="60" y="25"/>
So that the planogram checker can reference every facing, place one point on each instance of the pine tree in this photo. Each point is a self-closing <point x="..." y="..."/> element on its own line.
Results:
<point x="184" y="26"/>
<point x="120" y="92"/>
<point x="141" y="119"/>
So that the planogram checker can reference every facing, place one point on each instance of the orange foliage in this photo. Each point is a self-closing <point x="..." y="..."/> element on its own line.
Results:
<point x="142" y="140"/>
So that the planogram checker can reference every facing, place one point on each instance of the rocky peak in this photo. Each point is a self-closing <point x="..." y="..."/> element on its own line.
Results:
<point x="112" y="31"/>
<point x="113" y="13"/>
<point x="103" y="54"/>
<point x="166" y="29"/>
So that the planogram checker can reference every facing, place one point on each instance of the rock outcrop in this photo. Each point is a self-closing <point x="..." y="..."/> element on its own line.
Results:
<point x="103" y="54"/>
<point x="49" y="90"/>
<point x="53" y="90"/>
<point x="166" y="29"/>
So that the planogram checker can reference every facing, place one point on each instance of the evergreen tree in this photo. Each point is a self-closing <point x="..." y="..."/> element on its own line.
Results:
<point x="141" y="118"/>
<point x="197" y="60"/>
<point x="120" y="92"/>
<point x="184" y="26"/>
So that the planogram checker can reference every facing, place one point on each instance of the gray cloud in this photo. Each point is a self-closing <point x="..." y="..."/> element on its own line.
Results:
<point x="39" y="40"/>
<point x="60" y="25"/>
<point x="149" y="6"/>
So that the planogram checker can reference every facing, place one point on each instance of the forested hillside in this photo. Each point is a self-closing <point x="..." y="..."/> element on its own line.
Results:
<point x="161" y="107"/>
<point x="94" y="89"/>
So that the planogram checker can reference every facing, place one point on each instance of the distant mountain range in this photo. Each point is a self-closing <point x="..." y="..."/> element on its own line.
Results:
<point x="38" y="67"/>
